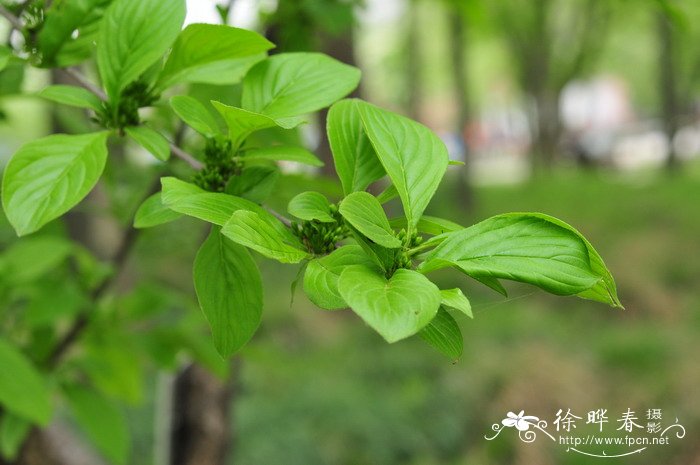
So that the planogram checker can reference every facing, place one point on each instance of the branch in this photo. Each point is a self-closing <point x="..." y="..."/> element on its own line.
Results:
<point x="181" y="154"/>
<point x="14" y="20"/>
<point x="286" y="221"/>
<point x="85" y="82"/>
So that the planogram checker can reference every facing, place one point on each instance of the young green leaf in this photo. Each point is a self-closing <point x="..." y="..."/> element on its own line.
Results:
<point x="212" y="207"/>
<point x="292" y="84"/>
<point x="311" y="206"/>
<point x="150" y="140"/>
<point x="5" y="55"/>
<point x="283" y="152"/>
<point x="414" y="158"/>
<point x="152" y="212"/>
<point x="396" y="308"/>
<point x="23" y="391"/>
<point x="202" y="44"/>
<point x="102" y="422"/>
<point x="428" y="225"/>
<point x="229" y="290"/>
<point x="71" y="95"/>
<point x="55" y="38"/>
<point x="390" y="193"/>
<point x="355" y="161"/>
<point x="264" y="235"/>
<point x="242" y="123"/>
<point x="133" y="36"/>
<point x="322" y="274"/>
<point x="49" y="176"/>
<point x="454" y="298"/>
<point x="444" y="334"/>
<point x="195" y="114"/>
<point x="364" y="212"/>
<point x="13" y="432"/>
<point x="521" y="247"/>
<point x="32" y="257"/>
<point x="255" y="183"/>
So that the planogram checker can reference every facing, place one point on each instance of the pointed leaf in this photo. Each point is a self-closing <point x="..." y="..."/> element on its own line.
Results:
<point x="242" y="123"/>
<point x="152" y="212"/>
<point x="355" y="160"/>
<point x="454" y="298"/>
<point x="150" y="140"/>
<point x="49" y="176"/>
<point x="292" y="84"/>
<point x="285" y="153"/>
<point x="396" y="308"/>
<point x="255" y="183"/>
<point x="224" y="72"/>
<point x="202" y="44"/>
<point x="414" y="158"/>
<point x="23" y="391"/>
<point x="311" y="206"/>
<point x="264" y="235"/>
<point x="71" y="95"/>
<point x="229" y="289"/>
<point x="192" y="112"/>
<point x="133" y="36"/>
<point x="364" y="212"/>
<point x="428" y="225"/>
<point x="444" y="334"/>
<point x="322" y="274"/>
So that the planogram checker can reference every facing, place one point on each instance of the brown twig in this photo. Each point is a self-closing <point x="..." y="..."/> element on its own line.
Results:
<point x="14" y="20"/>
<point x="85" y="82"/>
<point x="286" y="221"/>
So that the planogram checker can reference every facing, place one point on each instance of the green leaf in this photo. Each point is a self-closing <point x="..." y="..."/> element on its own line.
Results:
<point x="62" y="19"/>
<point x="444" y="334"/>
<point x="322" y="274"/>
<point x="150" y="140"/>
<point x="283" y="152"/>
<point x="224" y="72"/>
<point x="255" y="183"/>
<point x="414" y="158"/>
<point x="103" y="423"/>
<point x="396" y="308"/>
<point x="454" y="298"/>
<point x="212" y="207"/>
<point x="364" y="212"/>
<point x="195" y="114"/>
<point x="73" y="96"/>
<point x="428" y="225"/>
<point x="49" y="176"/>
<point x="133" y="36"/>
<point x="5" y="55"/>
<point x="202" y="44"/>
<point x="390" y="193"/>
<point x="13" y="432"/>
<point x="242" y="123"/>
<point x="529" y="248"/>
<point x="355" y="160"/>
<point x="152" y="212"/>
<point x="23" y="390"/>
<point x="30" y="258"/>
<point x="264" y="235"/>
<point x="311" y="206"/>
<point x="292" y="84"/>
<point x="229" y="289"/>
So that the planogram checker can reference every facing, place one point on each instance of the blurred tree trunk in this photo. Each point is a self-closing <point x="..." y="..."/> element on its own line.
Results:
<point x="668" y="67"/>
<point x="458" y="32"/>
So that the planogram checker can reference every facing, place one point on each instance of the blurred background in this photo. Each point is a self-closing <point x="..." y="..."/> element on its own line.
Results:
<point x="587" y="110"/>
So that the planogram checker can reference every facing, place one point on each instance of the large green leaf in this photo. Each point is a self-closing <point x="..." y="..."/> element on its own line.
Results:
<point x="62" y="20"/>
<point x="242" y="123"/>
<point x="202" y="44"/>
<point x="530" y="248"/>
<point x="414" y="158"/>
<point x="322" y="274"/>
<point x="311" y="206"/>
<point x="428" y="225"/>
<point x="49" y="176"/>
<point x="133" y="36"/>
<point x="255" y="183"/>
<point x="444" y="334"/>
<point x="454" y="298"/>
<point x="364" y="212"/>
<point x="292" y="84"/>
<point x="355" y="161"/>
<point x="151" y="140"/>
<point x="23" y="391"/>
<point x="102" y="422"/>
<point x="265" y="236"/>
<point x="152" y="212"/>
<point x="396" y="308"/>
<point x="283" y="153"/>
<point x="213" y="207"/>
<point x="195" y="114"/>
<point x="229" y="289"/>
<point x="224" y="72"/>
<point x="71" y="95"/>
